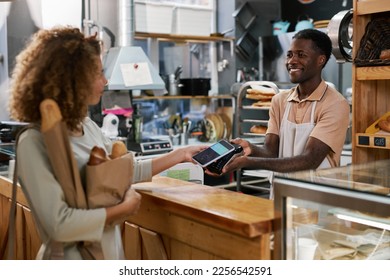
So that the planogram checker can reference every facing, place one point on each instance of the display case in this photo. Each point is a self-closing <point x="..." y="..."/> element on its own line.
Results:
<point x="331" y="214"/>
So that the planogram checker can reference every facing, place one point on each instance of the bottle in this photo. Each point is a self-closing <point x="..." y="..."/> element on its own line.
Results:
<point x="172" y="85"/>
<point x="137" y="124"/>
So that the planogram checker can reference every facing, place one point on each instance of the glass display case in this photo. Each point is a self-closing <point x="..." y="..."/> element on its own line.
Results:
<point x="331" y="214"/>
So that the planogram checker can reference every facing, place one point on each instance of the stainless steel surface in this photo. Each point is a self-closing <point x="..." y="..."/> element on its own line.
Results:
<point x="126" y="53"/>
<point x="340" y="32"/>
<point x="126" y="22"/>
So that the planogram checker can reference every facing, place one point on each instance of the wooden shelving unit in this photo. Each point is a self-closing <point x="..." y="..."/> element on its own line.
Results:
<point x="371" y="96"/>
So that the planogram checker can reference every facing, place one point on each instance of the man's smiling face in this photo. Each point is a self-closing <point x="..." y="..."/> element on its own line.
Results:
<point x="303" y="61"/>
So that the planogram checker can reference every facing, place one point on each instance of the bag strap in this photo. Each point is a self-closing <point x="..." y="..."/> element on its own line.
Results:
<point x="57" y="251"/>
<point x="11" y="223"/>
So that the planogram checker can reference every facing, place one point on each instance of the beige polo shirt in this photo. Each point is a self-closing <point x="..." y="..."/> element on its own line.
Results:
<point x="331" y="116"/>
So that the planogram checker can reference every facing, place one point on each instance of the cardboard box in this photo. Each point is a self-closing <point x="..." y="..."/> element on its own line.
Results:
<point x="192" y="21"/>
<point x="153" y="18"/>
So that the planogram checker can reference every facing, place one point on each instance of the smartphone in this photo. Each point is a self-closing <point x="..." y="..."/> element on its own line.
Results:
<point x="216" y="166"/>
<point x="213" y="153"/>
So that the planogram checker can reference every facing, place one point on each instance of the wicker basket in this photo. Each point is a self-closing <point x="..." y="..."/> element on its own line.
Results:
<point x="375" y="39"/>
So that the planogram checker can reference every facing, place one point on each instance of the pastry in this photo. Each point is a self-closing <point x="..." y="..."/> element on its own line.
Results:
<point x="385" y="124"/>
<point x="385" y="54"/>
<point x="262" y="103"/>
<point x="258" y="129"/>
<point x="97" y="156"/>
<point x="118" y="149"/>
<point x="264" y="94"/>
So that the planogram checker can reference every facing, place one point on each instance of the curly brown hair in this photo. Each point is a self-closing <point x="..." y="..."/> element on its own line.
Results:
<point x="61" y="64"/>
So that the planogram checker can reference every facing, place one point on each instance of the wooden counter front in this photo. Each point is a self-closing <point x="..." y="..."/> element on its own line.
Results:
<point x="176" y="220"/>
<point x="201" y="222"/>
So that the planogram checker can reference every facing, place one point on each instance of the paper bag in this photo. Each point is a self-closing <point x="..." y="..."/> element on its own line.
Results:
<point x="108" y="182"/>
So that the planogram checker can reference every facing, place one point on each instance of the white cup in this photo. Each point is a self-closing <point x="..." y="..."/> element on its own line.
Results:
<point x="306" y="248"/>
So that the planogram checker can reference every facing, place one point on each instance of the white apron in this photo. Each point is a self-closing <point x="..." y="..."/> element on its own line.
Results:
<point x="293" y="138"/>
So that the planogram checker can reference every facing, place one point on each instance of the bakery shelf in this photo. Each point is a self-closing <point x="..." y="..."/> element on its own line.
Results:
<point x="373" y="73"/>
<point x="183" y="38"/>
<point x="171" y="97"/>
<point x="370" y="83"/>
<point x="265" y="122"/>
<point x="378" y="141"/>
<point x="365" y="7"/>
<point x="252" y="134"/>
<point x="246" y="114"/>
<point x="255" y="108"/>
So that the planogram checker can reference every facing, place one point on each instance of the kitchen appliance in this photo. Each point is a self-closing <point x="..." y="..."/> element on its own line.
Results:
<point x="110" y="125"/>
<point x="150" y="146"/>
<point x="122" y="63"/>
<point x="340" y="30"/>
<point x="9" y="130"/>
<point x="196" y="86"/>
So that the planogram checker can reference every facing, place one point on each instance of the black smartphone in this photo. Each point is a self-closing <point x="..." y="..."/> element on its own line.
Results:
<point x="213" y="153"/>
<point x="216" y="166"/>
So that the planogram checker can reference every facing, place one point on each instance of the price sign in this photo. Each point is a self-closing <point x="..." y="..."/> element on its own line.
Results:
<point x="380" y="141"/>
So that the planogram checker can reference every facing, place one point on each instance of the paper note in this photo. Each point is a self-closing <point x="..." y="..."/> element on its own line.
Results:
<point x="183" y="174"/>
<point x="136" y="74"/>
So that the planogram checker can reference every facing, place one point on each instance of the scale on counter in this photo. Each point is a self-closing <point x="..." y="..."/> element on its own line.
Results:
<point x="150" y="146"/>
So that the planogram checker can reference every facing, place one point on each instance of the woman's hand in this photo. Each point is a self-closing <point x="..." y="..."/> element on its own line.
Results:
<point x="174" y="157"/>
<point x="132" y="201"/>
<point x="190" y="151"/>
<point x="129" y="206"/>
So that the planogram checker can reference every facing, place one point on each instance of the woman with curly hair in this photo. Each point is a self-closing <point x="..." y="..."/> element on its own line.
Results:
<point x="64" y="65"/>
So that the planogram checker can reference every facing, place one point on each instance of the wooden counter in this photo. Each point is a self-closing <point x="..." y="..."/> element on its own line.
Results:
<point x="202" y="222"/>
<point x="176" y="220"/>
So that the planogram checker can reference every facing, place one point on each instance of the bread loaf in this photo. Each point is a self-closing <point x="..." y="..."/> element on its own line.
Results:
<point x="97" y="156"/>
<point x="264" y="94"/>
<point x="118" y="149"/>
<point x="385" y="54"/>
<point x="258" y="129"/>
<point x="262" y="103"/>
<point x="385" y="124"/>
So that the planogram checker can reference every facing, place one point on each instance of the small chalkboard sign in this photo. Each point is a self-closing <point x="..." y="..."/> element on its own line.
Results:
<point x="380" y="141"/>
<point x="364" y="140"/>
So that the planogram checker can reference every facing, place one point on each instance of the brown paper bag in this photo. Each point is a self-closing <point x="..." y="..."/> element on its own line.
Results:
<point x="108" y="182"/>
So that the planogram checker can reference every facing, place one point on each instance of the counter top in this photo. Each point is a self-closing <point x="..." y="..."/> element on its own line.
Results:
<point x="242" y="214"/>
<point x="372" y="177"/>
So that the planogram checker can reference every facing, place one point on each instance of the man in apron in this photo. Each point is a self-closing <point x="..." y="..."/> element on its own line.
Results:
<point x="308" y="123"/>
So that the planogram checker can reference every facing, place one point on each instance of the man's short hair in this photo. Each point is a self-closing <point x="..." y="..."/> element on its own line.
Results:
<point x="320" y="39"/>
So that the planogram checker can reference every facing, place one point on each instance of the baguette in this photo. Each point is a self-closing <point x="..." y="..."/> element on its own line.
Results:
<point x="50" y="114"/>
<point x="97" y="156"/>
